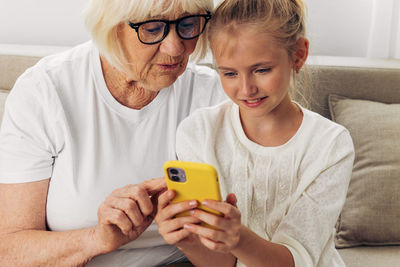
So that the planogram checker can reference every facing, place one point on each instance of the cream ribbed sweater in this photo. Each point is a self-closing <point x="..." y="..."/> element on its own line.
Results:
<point x="290" y="194"/>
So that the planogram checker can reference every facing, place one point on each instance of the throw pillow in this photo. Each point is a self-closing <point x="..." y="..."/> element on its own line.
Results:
<point x="371" y="213"/>
<point x="3" y="96"/>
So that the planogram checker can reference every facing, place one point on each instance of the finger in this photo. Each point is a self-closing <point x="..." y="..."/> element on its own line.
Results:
<point x="177" y="236"/>
<point x="142" y="198"/>
<point x="146" y="223"/>
<point x="119" y="218"/>
<point x="173" y="209"/>
<point x="227" y="209"/>
<point x="231" y="199"/>
<point x="129" y="207"/>
<point x="212" y="234"/>
<point x="154" y="185"/>
<point x="215" y="246"/>
<point x="218" y="222"/>
<point x="154" y="201"/>
<point x="165" y="198"/>
<point x="136" y="193"/>
<point x="176" y="224"/>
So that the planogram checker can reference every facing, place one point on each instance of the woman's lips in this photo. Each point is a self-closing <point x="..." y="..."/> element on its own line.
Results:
<point x="255" y="102"/>
<point x="168" y="66"/>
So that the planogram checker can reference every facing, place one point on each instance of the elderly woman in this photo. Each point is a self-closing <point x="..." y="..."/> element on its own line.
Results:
<point x="84" y="130"/>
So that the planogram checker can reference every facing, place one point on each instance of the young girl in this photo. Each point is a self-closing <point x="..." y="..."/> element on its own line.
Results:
<point x="286" y="168"/>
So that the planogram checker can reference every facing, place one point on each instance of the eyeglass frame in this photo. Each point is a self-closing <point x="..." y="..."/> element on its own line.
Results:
<point x="136" y="26"/>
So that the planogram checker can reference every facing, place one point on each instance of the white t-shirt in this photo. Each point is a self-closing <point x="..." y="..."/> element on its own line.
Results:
<point x="62" y="122"/>
<point x="290" y="194"/>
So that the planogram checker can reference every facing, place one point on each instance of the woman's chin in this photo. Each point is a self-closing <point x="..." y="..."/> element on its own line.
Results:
<point x="163" y="80"/>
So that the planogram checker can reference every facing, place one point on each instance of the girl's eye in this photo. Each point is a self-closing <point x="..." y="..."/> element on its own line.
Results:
<point x="229" y="74"/>
<point x="263" y="70"/>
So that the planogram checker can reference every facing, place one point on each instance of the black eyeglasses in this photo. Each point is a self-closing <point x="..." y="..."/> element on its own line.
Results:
<point x="154" y="31"/>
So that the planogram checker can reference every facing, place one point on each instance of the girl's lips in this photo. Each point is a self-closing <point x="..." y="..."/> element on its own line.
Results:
<point x="253" y="103"/>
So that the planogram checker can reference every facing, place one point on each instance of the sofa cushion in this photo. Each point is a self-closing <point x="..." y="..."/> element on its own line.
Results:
<point x="12" y="66"/>
<point x="3" y="96"/>
<point x="317" y="82"/>
<point x="387" y="256"/>
<point x="371" y="213"/>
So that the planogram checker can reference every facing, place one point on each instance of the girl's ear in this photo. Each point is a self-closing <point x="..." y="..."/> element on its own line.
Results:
<point x="301" y="53"/>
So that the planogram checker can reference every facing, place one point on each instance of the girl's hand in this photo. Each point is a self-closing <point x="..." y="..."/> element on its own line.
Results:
<point x="227" y="235"/>
<point x="171" y="227"/>
<point x="126" y="213"/>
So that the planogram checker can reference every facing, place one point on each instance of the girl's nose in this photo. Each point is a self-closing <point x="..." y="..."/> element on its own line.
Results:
<point x="248" y="87"/>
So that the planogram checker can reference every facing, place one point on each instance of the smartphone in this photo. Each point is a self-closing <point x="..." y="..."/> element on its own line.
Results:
<point x="192" y="180"/>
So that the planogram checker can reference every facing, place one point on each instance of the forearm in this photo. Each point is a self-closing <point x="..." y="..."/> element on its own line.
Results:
<point x="45" y="248"/>
<point x="253" y="250"/>
<point x="201" y="256"/>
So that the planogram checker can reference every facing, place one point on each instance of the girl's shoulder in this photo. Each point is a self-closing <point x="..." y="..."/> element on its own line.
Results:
<point x="322" y="131"/>
<point x="318" y="122"/>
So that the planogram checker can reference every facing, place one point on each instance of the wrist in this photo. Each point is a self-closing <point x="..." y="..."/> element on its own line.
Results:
<point x="242" y="240"/>
<point x="93" y="245"/>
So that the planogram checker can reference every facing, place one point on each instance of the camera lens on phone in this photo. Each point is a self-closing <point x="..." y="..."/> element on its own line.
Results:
<point x="174" y="171"/>
<point x="175" y="178"/>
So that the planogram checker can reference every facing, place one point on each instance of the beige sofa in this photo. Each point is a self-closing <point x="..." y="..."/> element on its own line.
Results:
<point x="377" y="81"/>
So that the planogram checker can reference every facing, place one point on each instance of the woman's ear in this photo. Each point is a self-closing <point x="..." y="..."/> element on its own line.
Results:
<point x="300" y="54"/>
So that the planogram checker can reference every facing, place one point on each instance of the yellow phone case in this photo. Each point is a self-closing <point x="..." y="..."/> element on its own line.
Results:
<point x="201" y="182"/>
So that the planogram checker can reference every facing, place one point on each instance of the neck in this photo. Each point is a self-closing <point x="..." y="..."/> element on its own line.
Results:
<point x="126" y="92"/>
<point x="275" y="128"/>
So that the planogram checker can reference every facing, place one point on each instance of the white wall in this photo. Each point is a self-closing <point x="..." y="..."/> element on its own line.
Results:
<point x="42" y="22"/>
<point x="339" y="27"/>
<point x="358" y="28"/>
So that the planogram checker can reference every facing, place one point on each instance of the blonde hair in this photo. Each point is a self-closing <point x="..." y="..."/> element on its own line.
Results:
<point x="284" y="20"/>
<point x="102" y="18"/>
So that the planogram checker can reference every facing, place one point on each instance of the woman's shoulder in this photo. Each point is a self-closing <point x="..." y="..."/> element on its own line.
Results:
<point x="199" y="75"/>
<point x="199" y="86"/>
<point x="52" y="66"/>
<point x="207" y="117"/>
<point x="78" y="54"/>
<point x="201" y="70"/>
<point x="40" y="81"/>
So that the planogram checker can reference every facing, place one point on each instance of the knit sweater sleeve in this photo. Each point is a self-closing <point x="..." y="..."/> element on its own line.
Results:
<point x="308" y="227"/>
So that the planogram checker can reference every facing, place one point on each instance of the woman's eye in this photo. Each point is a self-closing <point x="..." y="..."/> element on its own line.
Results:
<point x="153" y="30"/>
<point x="263" y="70"/>
<point x="186" y="25"/>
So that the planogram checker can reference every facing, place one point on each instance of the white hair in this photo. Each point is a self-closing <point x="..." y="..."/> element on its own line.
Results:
<point x="102" y="18"/>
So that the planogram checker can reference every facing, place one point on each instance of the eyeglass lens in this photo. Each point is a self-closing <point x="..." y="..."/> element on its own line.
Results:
<point x="187" y="28"/>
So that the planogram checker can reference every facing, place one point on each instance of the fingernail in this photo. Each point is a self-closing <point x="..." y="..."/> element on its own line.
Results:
<point x="187" y="226"/>
<point x="191" y="212"/>
<point x="205" y="202"/>
<point x="170" y="193"/>
<point x="193" y="203"/>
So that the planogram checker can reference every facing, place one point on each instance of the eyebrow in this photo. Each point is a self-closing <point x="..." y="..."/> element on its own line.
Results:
<point x="252" y="66"/>
<point x="163" y="17"/>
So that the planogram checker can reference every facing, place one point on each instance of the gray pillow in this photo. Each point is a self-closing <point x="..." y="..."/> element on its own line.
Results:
<point x="3" y="96"/>
<point x="371" y="213"/>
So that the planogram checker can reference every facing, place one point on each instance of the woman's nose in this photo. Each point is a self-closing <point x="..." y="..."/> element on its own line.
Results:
<point x="172" y="45"/>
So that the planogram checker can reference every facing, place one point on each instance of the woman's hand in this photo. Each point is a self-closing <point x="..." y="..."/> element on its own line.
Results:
<point x="226" y="236"/>
<point x="126" y="213"/>
<point x="171" y="227"/>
